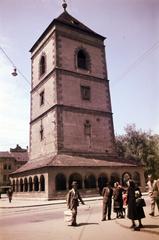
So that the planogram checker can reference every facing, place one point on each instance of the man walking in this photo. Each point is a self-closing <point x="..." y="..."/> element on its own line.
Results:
<point x="151" y="184"/>
<point x="72" y="202"/>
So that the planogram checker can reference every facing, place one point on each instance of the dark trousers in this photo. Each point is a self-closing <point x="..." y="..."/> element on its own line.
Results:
<point x="107" y="206"/>
<point x="74" y="215"/>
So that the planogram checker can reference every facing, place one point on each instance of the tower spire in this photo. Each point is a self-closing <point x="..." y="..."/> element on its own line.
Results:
<point x="64" y="5"/>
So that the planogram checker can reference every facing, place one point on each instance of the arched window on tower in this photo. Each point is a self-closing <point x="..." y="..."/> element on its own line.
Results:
<point x="81" y="59"/>
<point x="42" y="65"/>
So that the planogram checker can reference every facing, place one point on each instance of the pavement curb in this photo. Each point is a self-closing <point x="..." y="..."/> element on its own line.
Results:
<point x="48" y="204"/>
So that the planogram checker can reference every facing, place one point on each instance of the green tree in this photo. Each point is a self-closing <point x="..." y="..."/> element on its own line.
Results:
<point x="142" y="147"/>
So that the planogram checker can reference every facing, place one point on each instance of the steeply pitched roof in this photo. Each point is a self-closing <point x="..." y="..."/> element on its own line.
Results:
<point x="66" y="19"/>
<point x="69" y="20"/>
<point x="63" y="160"/>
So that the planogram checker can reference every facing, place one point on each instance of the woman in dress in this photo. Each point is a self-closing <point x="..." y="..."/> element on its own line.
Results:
<point x="134" y="212"/>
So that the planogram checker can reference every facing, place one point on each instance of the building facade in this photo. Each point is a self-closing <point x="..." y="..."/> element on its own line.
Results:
<point x="71" y="126"/>
<point x="9" y="162"/>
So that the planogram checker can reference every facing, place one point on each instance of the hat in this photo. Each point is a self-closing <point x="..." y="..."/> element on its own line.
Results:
<point x="74" y="183"/>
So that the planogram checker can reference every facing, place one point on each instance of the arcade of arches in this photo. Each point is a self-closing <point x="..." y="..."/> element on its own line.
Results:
<point x="62" y="182"/>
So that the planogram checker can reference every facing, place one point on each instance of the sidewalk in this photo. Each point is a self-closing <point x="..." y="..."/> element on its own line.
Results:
<point x="151" y="224"/>
<point x="21" y="203"/>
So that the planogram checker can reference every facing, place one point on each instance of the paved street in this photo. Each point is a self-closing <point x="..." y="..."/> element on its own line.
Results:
<point x="47" y="222"/>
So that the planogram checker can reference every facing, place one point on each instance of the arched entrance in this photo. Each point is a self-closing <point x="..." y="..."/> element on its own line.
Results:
<point x="90" y="181"/>
<point x="60" y="182"/>
<point x="102" y="180"/>
<point x="75" y="177"/>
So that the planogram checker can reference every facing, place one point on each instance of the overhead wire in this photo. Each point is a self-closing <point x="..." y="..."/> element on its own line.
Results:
<point x="137" y="61"/>
<point x="14" y="66"/>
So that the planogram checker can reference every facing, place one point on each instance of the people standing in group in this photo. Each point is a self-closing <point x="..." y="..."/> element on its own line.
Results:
<point x="151" y="185"/>
<point x="118" y="200"/>
<point x="73" y="198"/>
<point x="10" y="194"/>
<point x="134" y="212"/>
<point x="107" y="194"/>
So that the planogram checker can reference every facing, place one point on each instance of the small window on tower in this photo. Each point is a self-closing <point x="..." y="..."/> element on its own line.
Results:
<point x="85" y="92"/>
<point x="41" y="132"/>
<point x="87" y="128"/>
<point x="42" y="66"/>
<point x="42" y="98"/>
<point x="81" y="60"/>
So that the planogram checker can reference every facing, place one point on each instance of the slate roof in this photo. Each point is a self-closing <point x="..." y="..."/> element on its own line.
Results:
<point x="66" y="19"/>
<point x="63" y="160"/>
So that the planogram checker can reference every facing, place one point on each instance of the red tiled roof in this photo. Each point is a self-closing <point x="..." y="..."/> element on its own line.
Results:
<point x="18" y="156"/>
<point x="63" y="160"/>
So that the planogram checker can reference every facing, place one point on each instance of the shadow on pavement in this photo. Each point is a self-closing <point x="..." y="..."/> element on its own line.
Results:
<point x="83" y="224"/>
<point x="151" y="226"/>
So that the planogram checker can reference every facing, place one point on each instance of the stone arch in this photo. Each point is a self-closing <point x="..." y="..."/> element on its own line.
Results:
<point x="90" y="181"/>
<point x="102" y="180"/>
<point x="42" y="183"/>
<point x="25" y="185"/>
<point x="125" y="177"/>
<point x="42" y="65"/>
<point x="17" y="185"/>
<point x="21" y="185"/>
<point x="114" y="178"/>
<point x="30" y="184"/>
<point x="75" y="177"/>
<point x="136" y="178"/>
<point x="13" y="185"/>
<point x="36" y="184"/>
<point x="60" y="182"/>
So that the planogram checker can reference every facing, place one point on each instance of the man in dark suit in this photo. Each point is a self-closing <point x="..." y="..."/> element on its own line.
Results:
<point x="72" y="201"/>
<point x="107" y="193"/>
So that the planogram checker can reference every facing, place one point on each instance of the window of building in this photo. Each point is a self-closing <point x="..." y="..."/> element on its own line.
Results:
<point x="81" y="59"/>
<point x="87" y="128"/>
<point x="5" y="166"/>
<point x="85" y="92"/>
<point x="41" y="132"/>
<point x="42" y="65"/>
<point x="42" y="98"/>
<point x="4" y="178"/>
<point x="9" y="167"/>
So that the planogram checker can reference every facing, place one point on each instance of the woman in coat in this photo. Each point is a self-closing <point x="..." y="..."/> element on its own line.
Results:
<point x="118" y="200"/>
<point x="134" y="212"/>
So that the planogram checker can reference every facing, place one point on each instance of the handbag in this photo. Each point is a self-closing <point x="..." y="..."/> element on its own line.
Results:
<point x="140" y="202"/>
<point x="68" y="215"/>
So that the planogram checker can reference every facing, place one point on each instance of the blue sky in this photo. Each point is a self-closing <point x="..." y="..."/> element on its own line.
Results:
<point x="132" y="51"/>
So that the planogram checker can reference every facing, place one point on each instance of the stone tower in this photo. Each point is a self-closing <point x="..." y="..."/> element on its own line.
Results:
<point x="71" y="125"/>
<point x="70" y="98"/>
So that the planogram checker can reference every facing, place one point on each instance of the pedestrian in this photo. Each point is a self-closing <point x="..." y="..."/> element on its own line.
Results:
<point x="151" y="184"/>
<point x="107" y="194"/>
<point x="124" y="202"/>
<point x="10" y="194"/>
<point x="134" y="212"/>
<point x="118" y="200"/>
<point x="73" y="198"/>
<point x="156" y="192"/>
